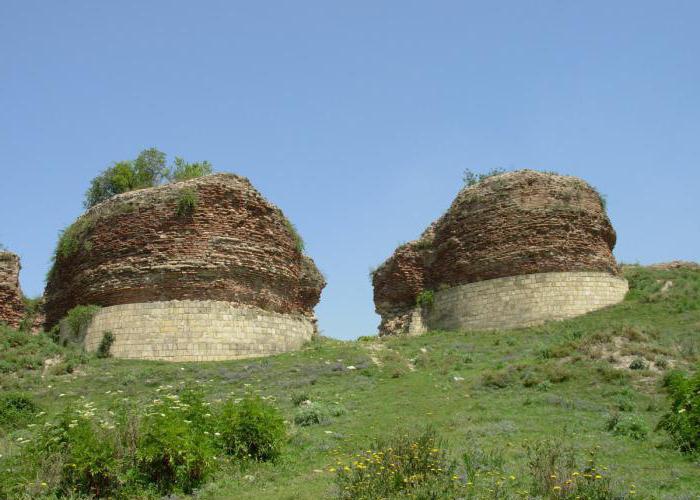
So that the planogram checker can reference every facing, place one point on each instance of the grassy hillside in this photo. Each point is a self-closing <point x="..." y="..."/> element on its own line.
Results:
<point x="504" y="403"/>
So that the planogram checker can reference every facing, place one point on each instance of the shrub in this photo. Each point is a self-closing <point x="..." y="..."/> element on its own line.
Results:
<point x="404" y="465"/>
<point x="471" y="178"/>
<point x="80" y="450"/>
<point x="16" y="409"/>
<point x="181" y="170"/>
<point x="638" y="364"/>
<point x="147" y="170"/>
<point x="23" y="351"/>
<point x="175" y="449"/>
<point x="252" y="429"/>
<point x="682" y="421"/>
<point x="498" y="379"/>
<point x="299" y="397"/>
<point x="103" y="350"/>
<point x="77" y="320"/>
<point x="186" y="202"/>
<point x="311" y="414"/>
<point x="298" y="241"/>
<point x="630" y="426"/>
<point x="555" y="474"/>
<point x="426" y="299"/>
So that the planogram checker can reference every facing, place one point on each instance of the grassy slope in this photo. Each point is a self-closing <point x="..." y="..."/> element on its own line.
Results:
<point x="518" y="386"/>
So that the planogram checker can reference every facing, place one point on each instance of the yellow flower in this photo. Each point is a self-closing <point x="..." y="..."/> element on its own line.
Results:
<point x="556" y="488"/>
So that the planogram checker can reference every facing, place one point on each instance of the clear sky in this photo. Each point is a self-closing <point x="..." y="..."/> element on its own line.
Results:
<point x="357" y="118"/>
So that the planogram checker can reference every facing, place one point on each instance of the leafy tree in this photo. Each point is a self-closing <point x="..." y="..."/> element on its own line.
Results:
<point x="147" y="170"/>
<point x="181" y="170"/>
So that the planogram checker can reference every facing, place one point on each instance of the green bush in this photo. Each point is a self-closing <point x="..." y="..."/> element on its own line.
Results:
<point x="426" y="298"/>
<point x="175" y="448"/>
<point x="103" y="350"/>
<point x="471" y="178"/>
<point x="316" y="413"/>
<point x="311" y="414"/>
<point x="404" y="465"/>
<point x="298" y="241"/>
<point x="24" y="351"/>
<point x="631" y="426"/>
<point x="638" y="364"/>
<point x="147" y="170"/>
<point x="554" y="473"/>
<point x="253" y="429"/>
<point x="77" y="321"/>
<point x="682" y="421"/>
<point x="182" y="171"/>
<point x="299" y="397"/>
<point x="187" y="202"/>
<point x="79" y="453"/>
<point x="16" y="409"/>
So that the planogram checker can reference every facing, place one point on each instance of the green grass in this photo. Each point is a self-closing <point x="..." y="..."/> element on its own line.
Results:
<point x="498" y="392"/>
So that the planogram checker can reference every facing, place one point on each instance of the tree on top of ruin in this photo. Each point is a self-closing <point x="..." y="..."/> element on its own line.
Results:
<point x="149" y="169"/>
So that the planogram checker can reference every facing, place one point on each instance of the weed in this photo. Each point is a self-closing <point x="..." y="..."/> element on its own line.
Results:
<point x="16" y="409"/>
<point x="425" y="299"/>
<point x="638" y="364"/>
<point x="74" y="325"/>
<point x="253" y="429"/>
<point x="682" y="420"/>
<point x="401" y="465"/>
<point x="471" y="178"/>
<point x="291" y="228"/>
<point x="187" y="202"/>
<point x="630" y="426"/>
<point x="103" y="350"/>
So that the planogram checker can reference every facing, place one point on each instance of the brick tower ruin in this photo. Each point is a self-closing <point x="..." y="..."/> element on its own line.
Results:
<point x="203" y="269"/>
<point x="11" y="303"/>
<point x="513" y="250"/>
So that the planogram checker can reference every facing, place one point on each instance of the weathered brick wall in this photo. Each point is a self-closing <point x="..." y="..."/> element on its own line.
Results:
<point x="513" y="224"/>
<point x="196" y="330"/>
<point x="11" y="304"/>
<point x="520" y="301"/>
<point x="135" y="248"/>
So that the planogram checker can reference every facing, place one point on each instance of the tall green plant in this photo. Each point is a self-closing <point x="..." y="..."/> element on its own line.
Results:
<point x="147" y="170"/>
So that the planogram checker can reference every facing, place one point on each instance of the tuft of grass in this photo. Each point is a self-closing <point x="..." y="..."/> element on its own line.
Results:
<point x="298" y="240"/>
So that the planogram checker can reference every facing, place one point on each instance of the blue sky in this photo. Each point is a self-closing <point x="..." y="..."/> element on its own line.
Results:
<point x="356" y="118"/>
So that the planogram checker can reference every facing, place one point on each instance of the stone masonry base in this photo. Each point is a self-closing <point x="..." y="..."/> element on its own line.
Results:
<point x="193" y="330"/>
<point x="520" y="301"/>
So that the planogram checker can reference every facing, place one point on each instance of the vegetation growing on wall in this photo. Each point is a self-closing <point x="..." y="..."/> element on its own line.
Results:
<point x="426" y="298"/>
<point x="186" y="202"/>
<point x="472" y="178"/>
<point x="298" y="240"/>
<point x="149" y="169"/>
<point x="181" y="170"/>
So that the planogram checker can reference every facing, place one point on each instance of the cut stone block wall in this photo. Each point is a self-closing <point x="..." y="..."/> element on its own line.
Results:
<point x="520" y="301"/>
<point x="197" y="330"/>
